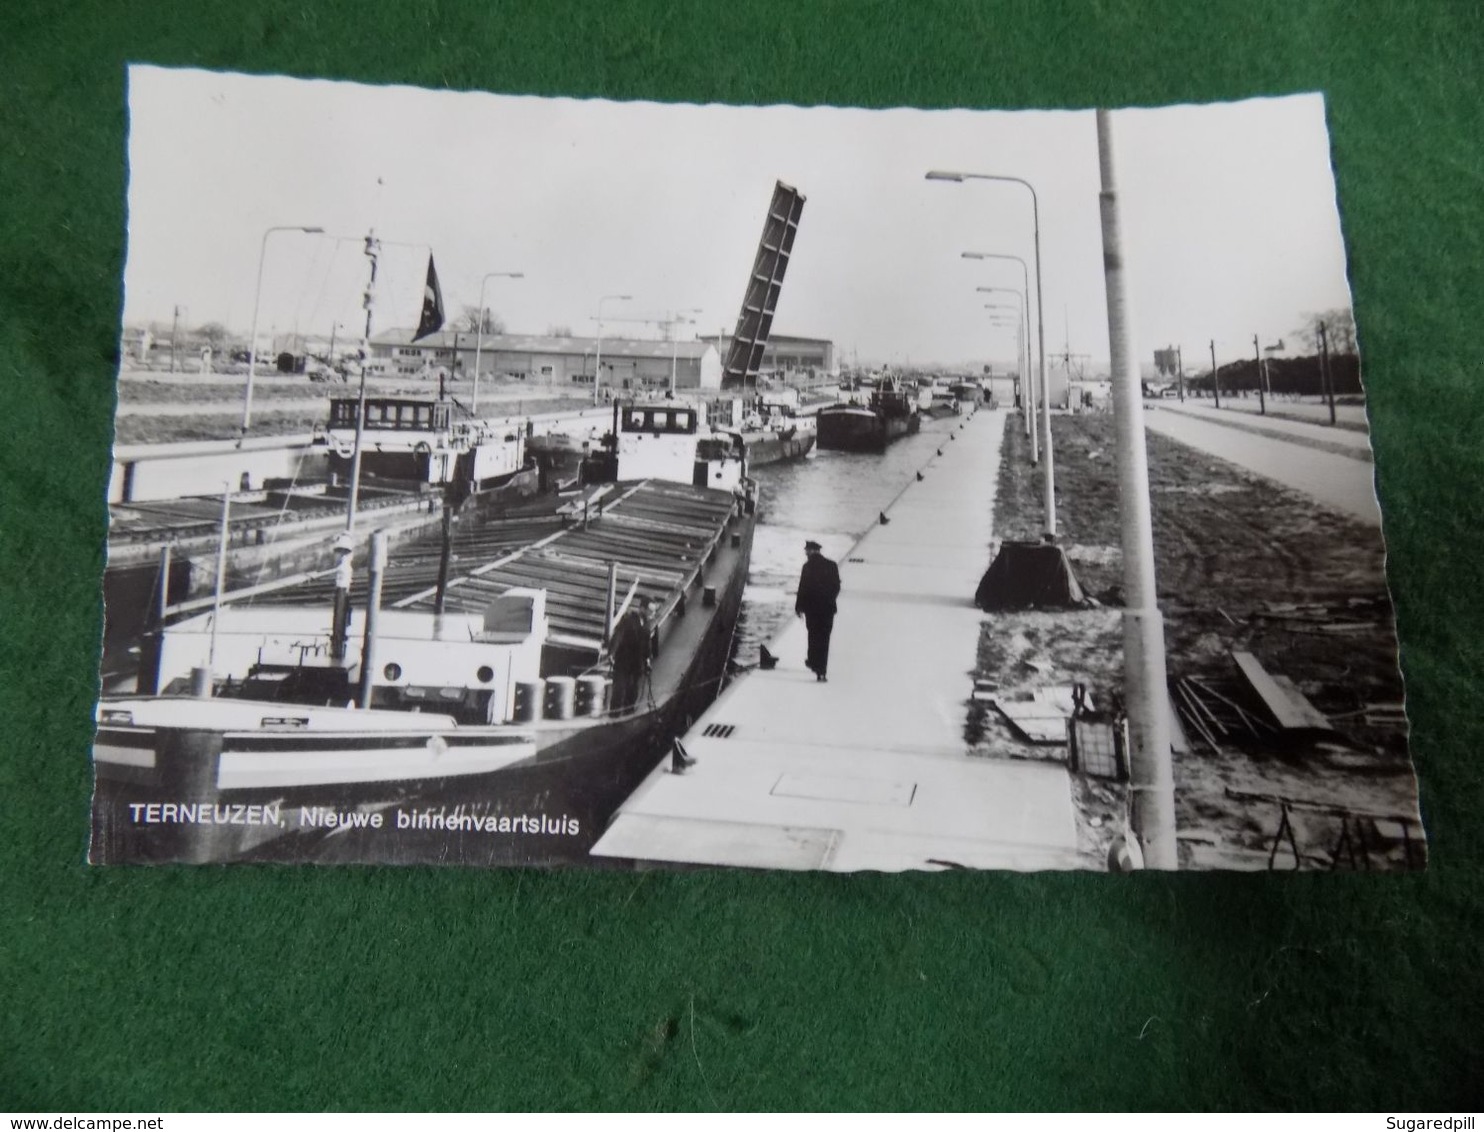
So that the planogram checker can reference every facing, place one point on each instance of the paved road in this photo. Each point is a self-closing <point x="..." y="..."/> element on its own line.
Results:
<point x="1279" y="407"/>
<point x="1343" y="482"/>
<point x="1319" y="433"/>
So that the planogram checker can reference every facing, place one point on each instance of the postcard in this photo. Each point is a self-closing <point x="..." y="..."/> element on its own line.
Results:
<point x="543" y="482"/>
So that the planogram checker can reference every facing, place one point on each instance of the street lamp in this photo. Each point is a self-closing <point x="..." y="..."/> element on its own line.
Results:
<point x="1050" y="478"/>
<point x="1002" y="319"/>
<point x="1022" y="359"/>
<point x="598" y="362"/>
<point x="252" y="346"/>
<point x="1030" y="386"/>
<point x="675" y="318"/>
<point x="479" y="330"/>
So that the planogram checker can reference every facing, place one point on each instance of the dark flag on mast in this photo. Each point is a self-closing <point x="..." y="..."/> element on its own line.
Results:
<point x="432" y="316"/>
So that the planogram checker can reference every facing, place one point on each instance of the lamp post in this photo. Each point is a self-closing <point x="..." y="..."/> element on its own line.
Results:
<point x="1022" y="360"/>
<point x="1215" y="375"/>
<point x="1030" y="387"/>
<point x="1020" y="343"/>
<point x="1146" y="695"/>
<point x="1050" y="470"/>
<point x="252" y="346"/>
<point x="479" y="330"/>
<point x="675" y="319"/>
<point x="1013" y="324"/>
<point x="598" y="363"/>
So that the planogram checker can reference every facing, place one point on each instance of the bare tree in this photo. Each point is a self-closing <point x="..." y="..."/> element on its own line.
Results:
<point x="215" y="335"/>
<point x="559" y="332"/>
<point x="1339" y="327"/>
<point x="469" y="319"/>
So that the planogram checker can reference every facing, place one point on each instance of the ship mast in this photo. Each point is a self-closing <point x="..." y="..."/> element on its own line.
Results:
<point x="372" y="251"/>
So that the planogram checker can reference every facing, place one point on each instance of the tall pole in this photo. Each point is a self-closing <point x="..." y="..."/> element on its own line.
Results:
<point x="598" y="363"/>
<point x="478" y="348"/>
<point x="1019" y="342"/>
<point x="1028" y="388"/>
<point x="1262" y="398"/>
<point x="174" y="336"/>
<point x="1000" y="316"/>
<point x="1180" y="372"/>
<point x="377" y="566"/>
<point x="1023" y="364"/>
<point x="1151" y="772"/>
<point x="1324" y="374"/>
<point x="677" y="317"/>
<point x="1022" y="344"/>
<point x="1215" y="375"/>
<point x="252" y="345"/>
<point x="221" y="585"/>
<point x="340" y="607"/>
<point x="372" y="250"/>
<point x="479" y="329"/>
<point x="445" y="556"/>
<point x="1049" y="466"/>
<point x="1049" y="480"/>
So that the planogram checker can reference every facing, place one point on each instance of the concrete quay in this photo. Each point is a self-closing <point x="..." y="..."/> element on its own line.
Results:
<point x="870" y="770"/>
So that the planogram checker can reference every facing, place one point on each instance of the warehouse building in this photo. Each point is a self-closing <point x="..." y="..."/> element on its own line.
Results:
<point x="789" y="357"/>
<point x="557" y="362"/>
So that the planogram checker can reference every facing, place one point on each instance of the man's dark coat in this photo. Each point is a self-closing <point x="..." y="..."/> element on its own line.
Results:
<point x="819" y="586"/>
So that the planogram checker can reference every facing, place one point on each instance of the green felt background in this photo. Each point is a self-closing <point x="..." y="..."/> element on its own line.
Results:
<point x="277" y="988"/>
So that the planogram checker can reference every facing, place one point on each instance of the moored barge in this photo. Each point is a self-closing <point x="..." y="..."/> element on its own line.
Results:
<point x="889" y="413"/>
<point x="506" y="713"/>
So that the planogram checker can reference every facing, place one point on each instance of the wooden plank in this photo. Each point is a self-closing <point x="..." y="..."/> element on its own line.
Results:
<point x="1319" y="719"/>
<point x="1288" y="705"/>
<point x="1038" y="722"/>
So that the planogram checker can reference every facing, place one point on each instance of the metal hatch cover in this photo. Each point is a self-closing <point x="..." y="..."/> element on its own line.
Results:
<point x="834" y="788"/>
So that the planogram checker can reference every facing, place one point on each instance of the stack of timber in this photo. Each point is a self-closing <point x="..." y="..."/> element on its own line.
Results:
<point x="1254" y="708"/>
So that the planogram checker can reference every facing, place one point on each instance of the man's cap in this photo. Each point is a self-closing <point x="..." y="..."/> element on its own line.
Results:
<point x="812" y="545"/>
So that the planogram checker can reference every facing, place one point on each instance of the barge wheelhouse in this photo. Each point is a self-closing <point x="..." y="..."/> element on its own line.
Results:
<point x="422" y="440"/>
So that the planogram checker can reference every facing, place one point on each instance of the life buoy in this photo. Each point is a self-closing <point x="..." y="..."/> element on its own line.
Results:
<point x="344" y="448"/>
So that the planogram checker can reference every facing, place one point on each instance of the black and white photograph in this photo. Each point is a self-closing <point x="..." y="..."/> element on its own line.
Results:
<point x="518" y="481"/>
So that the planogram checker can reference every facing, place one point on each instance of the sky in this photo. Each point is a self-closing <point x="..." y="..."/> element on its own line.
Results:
<point x="1230" y="225"/>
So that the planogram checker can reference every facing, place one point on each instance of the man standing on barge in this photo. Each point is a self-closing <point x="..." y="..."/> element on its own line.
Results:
<point x="819" y="585"/>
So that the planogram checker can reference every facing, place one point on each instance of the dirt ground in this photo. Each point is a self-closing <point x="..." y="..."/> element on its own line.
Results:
<point x="1242" y="564"/>
<point x="143" y="428"/>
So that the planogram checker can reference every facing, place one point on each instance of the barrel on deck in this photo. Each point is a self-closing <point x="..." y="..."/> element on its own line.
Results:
<point x="592" y="695"/>
<point x="561" y="697"/>
<point x="530" y="698"/>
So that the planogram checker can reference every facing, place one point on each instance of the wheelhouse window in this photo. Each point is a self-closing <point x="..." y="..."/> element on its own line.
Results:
<point x="672" y="421"/>
<point x="411" y="416"/>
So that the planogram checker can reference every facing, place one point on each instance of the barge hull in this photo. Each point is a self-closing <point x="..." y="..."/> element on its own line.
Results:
<point x="545" y="805"/>
<point x="863" y="431"/>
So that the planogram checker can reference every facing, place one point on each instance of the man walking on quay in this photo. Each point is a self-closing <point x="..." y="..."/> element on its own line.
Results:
<point x="819" y="585"/>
